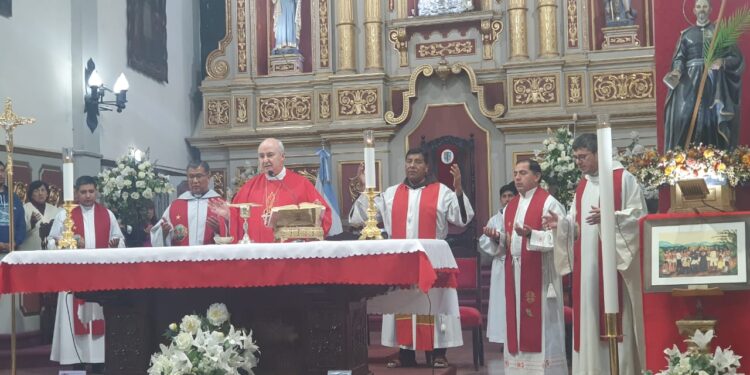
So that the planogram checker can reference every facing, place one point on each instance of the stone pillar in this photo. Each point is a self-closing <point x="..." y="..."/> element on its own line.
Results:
<point x="548" y="28"/>
<point x="345" y="29"/>
<point x="517" y="18"/>
<point x="402" y="8"/>
<point x="373" y="36"/>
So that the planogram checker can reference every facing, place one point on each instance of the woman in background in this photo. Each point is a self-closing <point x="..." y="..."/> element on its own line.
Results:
<point x="39" y="216"/>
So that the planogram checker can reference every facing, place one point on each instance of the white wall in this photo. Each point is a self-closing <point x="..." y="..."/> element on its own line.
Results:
<point x="158" y="116"/>
<point x="35" y="71"/>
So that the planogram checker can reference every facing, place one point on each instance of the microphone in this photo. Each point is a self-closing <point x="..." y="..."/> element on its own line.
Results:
<point x="283" y="185"/>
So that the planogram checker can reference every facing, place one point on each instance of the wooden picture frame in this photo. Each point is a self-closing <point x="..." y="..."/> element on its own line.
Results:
<point x="689" y="250"/>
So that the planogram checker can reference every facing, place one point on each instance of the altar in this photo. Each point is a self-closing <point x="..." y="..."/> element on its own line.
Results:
<point x="306" y="303"/>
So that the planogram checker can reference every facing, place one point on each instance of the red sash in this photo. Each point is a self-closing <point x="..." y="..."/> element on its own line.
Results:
<point x="617" y="173"/>
<point x="101" y="230"/>
<point x="427" y="211"/>
<point x="529" y="337"/>
<point x="178" y="215"/>
<point x="101" y="224"/>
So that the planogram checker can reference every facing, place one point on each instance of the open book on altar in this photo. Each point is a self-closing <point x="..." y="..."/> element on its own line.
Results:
<point x="305" y="214"/>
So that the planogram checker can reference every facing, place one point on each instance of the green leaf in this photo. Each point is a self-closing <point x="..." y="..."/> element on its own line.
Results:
<point x="726" y="34"/>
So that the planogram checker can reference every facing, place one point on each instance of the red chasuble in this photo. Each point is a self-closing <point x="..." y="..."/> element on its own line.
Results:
<point x="527" y="338"/>
<point x="178" y="215"/>
<point x="427" y="229"/>
<point x="293" y="189"/>
<point x="101" y="230"/>
<point x="617" y="173"/>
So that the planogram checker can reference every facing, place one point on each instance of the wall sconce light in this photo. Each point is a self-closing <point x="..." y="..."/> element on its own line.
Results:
<point x="94" y="98"/>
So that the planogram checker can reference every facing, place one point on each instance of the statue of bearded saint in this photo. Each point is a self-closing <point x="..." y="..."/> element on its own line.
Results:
<point x="619" y="12"/>
<point x="287" y="22"/>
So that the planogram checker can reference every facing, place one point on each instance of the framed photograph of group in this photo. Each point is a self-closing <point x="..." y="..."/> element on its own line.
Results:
<point x="689" y="251"/>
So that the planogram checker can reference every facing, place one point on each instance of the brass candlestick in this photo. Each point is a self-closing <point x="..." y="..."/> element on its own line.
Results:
<point x="245" y="209"/>
<point x="371" y="230"/>
<point x="614" y="360"/>
<point x="67" y="241"/>
<point x="9" y="121"/>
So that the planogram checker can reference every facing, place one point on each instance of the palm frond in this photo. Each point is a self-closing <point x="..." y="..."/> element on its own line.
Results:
<point x="726" y="34"/>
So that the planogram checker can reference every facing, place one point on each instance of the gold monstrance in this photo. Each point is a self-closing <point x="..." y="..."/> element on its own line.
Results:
<point x="9" y="121"/>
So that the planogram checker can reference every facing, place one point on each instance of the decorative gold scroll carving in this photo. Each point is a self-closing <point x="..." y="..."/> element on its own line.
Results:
<point x="622" y="87"/>
<point x="284" y="108"/>
<point x="400" y="42"/>
<point x="450" y="48"/>
<point x="241" y="37"/>
<point x="427" y="71"/>
<point x="219" y="69"/>
<point x="220" y="181"/>
<point x="358" y="102"/>
<point x="573" y="23"/>
<point x="218" y="113"/>
<point x="325" y="105"/>
<point x="574" y="88"/>
<point x="240" y="104"/>
<point x="324" y="47"/>
<point x="535" y="90"/>
<point x="489" y="29"/>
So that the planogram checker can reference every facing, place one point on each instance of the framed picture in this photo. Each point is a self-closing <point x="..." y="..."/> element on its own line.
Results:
<point x="6" y="8"/>
<point x="147" y="38"/>
<point x="696" y="250"/>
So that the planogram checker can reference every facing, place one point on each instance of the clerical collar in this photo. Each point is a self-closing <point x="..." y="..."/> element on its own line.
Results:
<point x="279" y="176"/>
<point x="529" y="193"/>
<point x="697" y="23"/>
<point x="427" y="180"/>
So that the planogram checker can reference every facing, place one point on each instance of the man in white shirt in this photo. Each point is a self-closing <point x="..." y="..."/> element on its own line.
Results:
<point x="195" y="216"/>
<point x="95" y="227"/>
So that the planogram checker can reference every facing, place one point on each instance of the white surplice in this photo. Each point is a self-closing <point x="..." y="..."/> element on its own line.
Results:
<point x="593" y="355"/>
<point x="447" y="328"/>
<point x="496" y="325"/>
<point x="68" y="348"/>
<point x="197" y="209"/>
<point x="551" y="360"/>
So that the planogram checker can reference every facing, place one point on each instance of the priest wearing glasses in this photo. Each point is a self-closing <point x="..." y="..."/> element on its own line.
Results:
<point x="274" y="186"/>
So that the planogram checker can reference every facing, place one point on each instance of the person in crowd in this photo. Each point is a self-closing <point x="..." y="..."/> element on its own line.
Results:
<point x="39" y="216"/>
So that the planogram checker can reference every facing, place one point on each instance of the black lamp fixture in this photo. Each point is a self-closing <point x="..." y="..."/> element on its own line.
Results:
<point x="95" y="95"/>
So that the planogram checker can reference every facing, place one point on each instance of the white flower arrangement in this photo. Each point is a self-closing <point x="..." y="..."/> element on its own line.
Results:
<point x="127" y="187"/>
<point x="697" y="360"/>
<point x="559" y="171"/>
<point x="207" y="345"/>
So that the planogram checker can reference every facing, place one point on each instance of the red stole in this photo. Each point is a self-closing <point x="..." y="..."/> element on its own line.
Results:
<point x="529" y="337"/>
<point x="101" y="224"/>
<point x="617" y="173"/>
<point x="178" y="215"/>
<point x="101" y="230"/>
<point x="427" y="211"/>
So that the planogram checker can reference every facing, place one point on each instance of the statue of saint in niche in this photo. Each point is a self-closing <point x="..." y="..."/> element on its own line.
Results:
<point x="287" y="22"/>
<point x="619" y="13"/>
<point x="437" y="7"/>
<point x="718" y="120"/>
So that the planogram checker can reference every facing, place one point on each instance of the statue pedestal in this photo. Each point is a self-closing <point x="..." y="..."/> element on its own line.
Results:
<point x="719" y="198"/>
<point x="619" y="37"/>
<point x="282" y="65"/>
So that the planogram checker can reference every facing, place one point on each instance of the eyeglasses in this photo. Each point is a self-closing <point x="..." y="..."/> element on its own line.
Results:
<point x="196" y="176"/>
<point x="581" y="157"/>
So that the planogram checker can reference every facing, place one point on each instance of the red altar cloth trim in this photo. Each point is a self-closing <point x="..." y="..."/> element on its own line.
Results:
<point x="446" y="278"/>
<point x="385" y="269"/>
<point x="685" y="215"/>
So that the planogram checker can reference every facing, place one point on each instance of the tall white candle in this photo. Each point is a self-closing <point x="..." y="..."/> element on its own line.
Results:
<point x="68" y="174"/>
<point x="607" y="211"/>
<point x="369" y="159"/>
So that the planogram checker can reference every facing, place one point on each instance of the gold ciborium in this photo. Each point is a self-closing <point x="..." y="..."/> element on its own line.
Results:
<point x="245" y="209"/>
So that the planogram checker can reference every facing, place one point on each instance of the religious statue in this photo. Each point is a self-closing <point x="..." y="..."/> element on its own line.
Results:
<point x="619" y="13"/>
<point x="718" y="117"/>
<point x="436" y="7"/>
<point x="287" y="22"/>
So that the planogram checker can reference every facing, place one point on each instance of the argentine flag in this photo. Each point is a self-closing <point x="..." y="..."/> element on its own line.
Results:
<point x="324" y="187"/>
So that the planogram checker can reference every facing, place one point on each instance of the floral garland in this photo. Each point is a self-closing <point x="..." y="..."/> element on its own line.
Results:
<point x="207" y="345"/>
<point x="696" y="360"/>
<point x="559" y="171"/>
<point x="128" y="187"/>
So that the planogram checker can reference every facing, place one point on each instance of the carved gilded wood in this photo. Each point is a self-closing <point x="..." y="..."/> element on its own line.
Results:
<point x="217" y="114"/>
<point x="622" y="87"/>
<point x="284" y="108"/>
<point x="448" y="48"/>
<point x="215" y="68"/>
<point x="535" y="90"/>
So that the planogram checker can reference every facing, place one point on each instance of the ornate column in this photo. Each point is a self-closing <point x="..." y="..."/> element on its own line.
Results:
<point x="345" y="29"/>
<point x="373" y="35"/>
<point x="486" y="5"/>
<point x="548" y="28"/>
<point x="402" y="8"/>
<point x="517" y="18"/>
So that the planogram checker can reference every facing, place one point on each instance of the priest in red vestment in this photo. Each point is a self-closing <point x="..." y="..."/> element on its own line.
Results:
<point x="274" y="186"/>
<point x="420" y="207"/>
<point x="194" y="218"/>
<point x="79" y="326"/>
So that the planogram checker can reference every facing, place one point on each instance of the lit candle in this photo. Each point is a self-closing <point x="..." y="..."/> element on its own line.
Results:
<point x="607" y="214"/>
<point x="369" y="159"/>
<point x="68" y="176"/>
